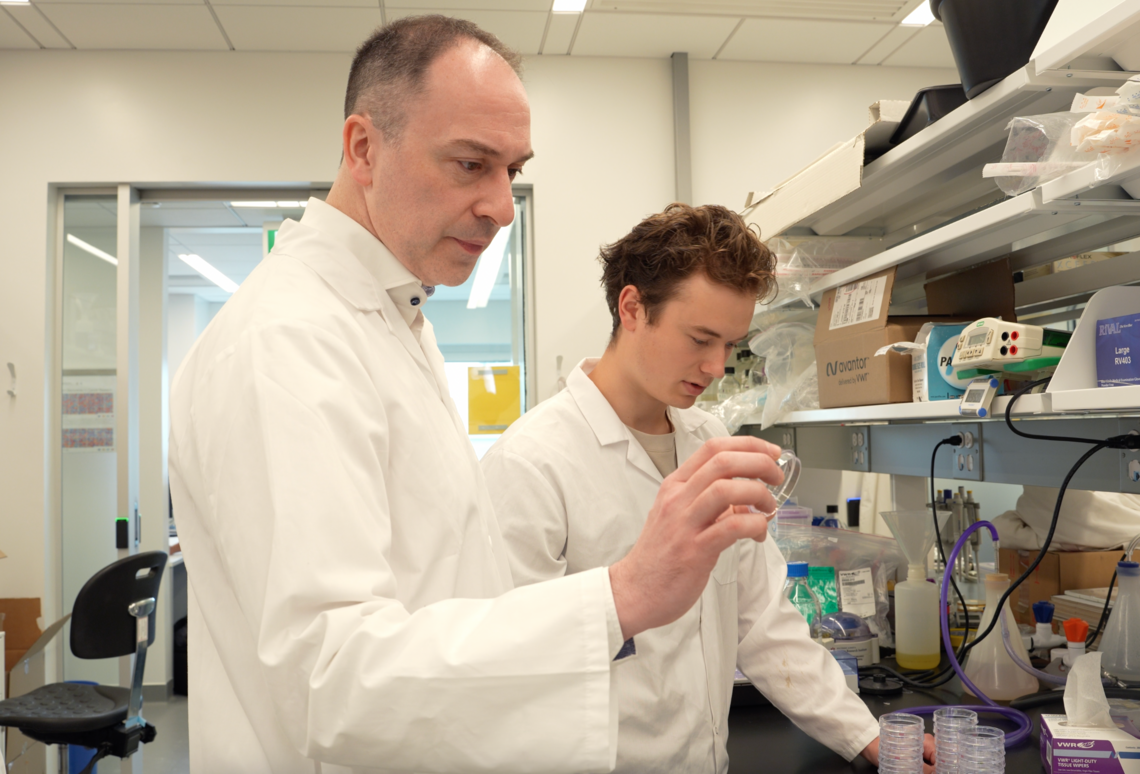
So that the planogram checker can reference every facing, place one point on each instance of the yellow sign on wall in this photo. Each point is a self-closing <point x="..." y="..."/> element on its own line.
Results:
<point x="493" y="399"/>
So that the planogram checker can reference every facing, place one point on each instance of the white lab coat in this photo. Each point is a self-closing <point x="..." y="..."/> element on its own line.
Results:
<point x="572" y="489"/>
<point x="351" y="597"/>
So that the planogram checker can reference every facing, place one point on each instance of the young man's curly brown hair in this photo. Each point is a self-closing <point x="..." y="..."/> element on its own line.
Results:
<point x="667" y="248"/>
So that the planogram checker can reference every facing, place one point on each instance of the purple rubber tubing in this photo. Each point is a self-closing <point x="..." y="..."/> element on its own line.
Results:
<point x="1024" y="724"/>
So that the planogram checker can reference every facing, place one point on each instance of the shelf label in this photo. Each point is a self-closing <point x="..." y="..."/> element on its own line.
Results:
<point x="858" y="302"/>
<point x="857" y="592"/>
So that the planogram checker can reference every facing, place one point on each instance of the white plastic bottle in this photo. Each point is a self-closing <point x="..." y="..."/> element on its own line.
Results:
<point x="916" y="621"/>
<point x="989" y="666"/>
<point x="1121" y="643"/>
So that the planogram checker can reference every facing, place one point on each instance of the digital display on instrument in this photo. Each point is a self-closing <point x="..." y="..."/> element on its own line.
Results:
<point x="977" y="338"/>
<point x="974" y="396"/>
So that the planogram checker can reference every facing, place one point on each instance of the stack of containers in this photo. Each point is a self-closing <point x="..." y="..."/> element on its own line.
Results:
<point x="981" y="750"/>
<point x="949" y="723"/>
<point x="900" y="743"/>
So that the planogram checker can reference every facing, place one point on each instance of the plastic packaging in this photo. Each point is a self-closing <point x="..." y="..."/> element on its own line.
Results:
<point x="989" y="667"/>
<point x="798" y="591"/>
<point x="856" y="557"/>
<point x="949" y="723"/>
<point x="788" y="350"/>
<point x="1121" y="643"/>
<point x="741" y="409"/>
<point x="800" y="263"/>
<point x="901" y="739"/>
<point x="1038" y="150"/>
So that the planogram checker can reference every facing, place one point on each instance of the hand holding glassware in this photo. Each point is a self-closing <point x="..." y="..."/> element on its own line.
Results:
<point x="789" y="465"/>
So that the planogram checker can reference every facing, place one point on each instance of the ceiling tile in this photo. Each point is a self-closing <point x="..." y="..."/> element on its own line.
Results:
<point x="264" y="28"/>
<point x="888" y="45"/>
<point x="313" y="3"/>
<point x="521" y="30"/>
<point x="11" y="36"/>
<point x="167" y="27"/>
<point x="438" y="6"/>
<point x="118" y="2"/>
<point x="791" y="40"/>
<point x="651" y="35"/>
<point x="867" y="10"/>
<point x="560" y="33"/>
<point x="929" y="48"/>
<point x="35" y="23"/>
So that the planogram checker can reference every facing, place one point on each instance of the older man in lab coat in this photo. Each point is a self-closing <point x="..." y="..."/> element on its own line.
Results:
<point x="570" y="479"/>
<point x="351" y="603"/>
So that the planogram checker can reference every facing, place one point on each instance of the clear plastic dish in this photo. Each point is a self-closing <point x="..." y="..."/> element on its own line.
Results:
<point x="790" y="465"/>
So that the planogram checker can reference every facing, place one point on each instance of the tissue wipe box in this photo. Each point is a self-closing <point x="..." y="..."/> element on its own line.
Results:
<point x="932" y="376"/>
<point x="1117" y="358"/>
<point x="1066" y="749"/>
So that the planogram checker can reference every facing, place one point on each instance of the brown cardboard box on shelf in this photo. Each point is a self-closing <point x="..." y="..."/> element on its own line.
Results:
<point x="24" y="645"/>
<point x="854" y="322"/>
<point x="1059" y="571"/>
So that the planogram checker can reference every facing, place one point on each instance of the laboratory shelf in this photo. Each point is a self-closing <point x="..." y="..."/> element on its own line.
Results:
<point x="1115" y="34"/>
<point x="937" y="172"/>
<point x="1027" y="228"/>
<point x="932" y="411"/>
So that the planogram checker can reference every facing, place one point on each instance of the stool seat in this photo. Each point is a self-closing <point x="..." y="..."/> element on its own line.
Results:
<point x="66" y="708"/>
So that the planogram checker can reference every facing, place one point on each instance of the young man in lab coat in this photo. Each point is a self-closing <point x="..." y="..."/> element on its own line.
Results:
<point x="570" y="478"/>
<point x="351" y="604"/>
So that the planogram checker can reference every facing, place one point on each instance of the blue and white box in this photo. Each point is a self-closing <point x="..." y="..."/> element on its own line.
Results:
<point x="1118" y="351"/>
<point x="932" y="375"/>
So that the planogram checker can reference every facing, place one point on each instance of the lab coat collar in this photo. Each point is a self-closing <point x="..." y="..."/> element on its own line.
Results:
<point x="405" y="290"/>
<point x="609" y="429"/>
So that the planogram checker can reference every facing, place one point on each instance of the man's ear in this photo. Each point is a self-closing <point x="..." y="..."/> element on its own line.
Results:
<point x="359" y="138"/>
<point x="630" y="308"/>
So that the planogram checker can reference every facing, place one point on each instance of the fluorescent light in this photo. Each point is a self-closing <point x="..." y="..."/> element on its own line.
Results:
<point x="919" y="17"/>
<point x="199" y="264"/>
<point x="488" y="270"/>
<point x="15" y="2"/>
<point x="92" y="249"/>
<point x="271" y="205"/>
<point x="569" y="6"/>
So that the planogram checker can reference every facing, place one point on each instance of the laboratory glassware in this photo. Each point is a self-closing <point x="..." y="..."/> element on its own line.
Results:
<point x="900" y="743"/>
<point x="798" y="591"/>
<point x="949" y="722"/>
<point x="916" y="601"/>
<point x="989" y="666"/>
<point x="1121" y="643"/>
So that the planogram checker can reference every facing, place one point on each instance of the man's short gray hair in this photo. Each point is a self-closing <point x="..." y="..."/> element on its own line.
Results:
<point x="391" y="66"/>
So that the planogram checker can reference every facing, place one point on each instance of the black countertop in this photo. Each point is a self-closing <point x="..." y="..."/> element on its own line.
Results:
<point x="761" y="740"/>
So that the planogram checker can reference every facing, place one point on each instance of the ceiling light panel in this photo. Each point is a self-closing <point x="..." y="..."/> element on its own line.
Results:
<point x="857" y="10"/>
<point x="207" y="270"/>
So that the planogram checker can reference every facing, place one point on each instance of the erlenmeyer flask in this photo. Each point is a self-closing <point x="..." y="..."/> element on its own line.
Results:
<point x="1121" y="643"/>
<point x="989" y="666"/>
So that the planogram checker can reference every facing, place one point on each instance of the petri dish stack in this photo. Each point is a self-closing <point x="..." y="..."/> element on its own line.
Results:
<point x="949" y="723"/>
<point x="900" y="743"/>
<point x="981" y="750"/>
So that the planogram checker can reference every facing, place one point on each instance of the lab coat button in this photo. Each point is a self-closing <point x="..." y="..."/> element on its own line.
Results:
<point x="415" y="300"/>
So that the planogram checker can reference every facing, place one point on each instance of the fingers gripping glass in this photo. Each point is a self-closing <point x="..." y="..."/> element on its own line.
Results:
<point x="789" y="464"/>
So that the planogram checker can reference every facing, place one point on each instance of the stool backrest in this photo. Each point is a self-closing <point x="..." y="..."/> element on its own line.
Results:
<point x="101" y="625"/>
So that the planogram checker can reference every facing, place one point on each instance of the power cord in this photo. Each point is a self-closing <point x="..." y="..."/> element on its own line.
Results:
<point x="1127" y="442"/>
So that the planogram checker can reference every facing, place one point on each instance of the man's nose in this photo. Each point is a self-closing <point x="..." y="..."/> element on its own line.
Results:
<point x="714" y="366"/>
<point x="498" y="200"/>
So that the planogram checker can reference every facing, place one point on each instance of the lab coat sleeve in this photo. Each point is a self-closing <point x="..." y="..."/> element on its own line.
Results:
<point x="290" y="439"/>
<point x="531" y="515"/>
<point x="798" y="675"/>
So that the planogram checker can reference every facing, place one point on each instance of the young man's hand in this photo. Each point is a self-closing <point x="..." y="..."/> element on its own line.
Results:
<point x="692" y="520"/>
<point x="871" y="753"/>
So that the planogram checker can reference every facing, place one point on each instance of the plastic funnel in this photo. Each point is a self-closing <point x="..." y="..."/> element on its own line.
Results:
<point x="915" y="532"/>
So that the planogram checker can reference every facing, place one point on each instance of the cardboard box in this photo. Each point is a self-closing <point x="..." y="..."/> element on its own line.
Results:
<point x="829" y="178"/>
<point x="24" y="645"/>
<point x="1059" y="571"/>
<point x="1066" y="748"/>
<point x="853" y="324"/>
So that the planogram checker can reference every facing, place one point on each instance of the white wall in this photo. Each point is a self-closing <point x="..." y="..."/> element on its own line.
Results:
<point x="602" y="131"/>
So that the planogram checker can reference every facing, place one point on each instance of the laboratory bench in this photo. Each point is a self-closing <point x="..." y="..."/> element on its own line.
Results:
<point x="761" y="740"/>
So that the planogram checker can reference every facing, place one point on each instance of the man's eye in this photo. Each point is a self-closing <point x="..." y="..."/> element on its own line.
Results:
<point x="698" y="342"/>
<point x="514" y="173"/>
<point x="471" y="166"/>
